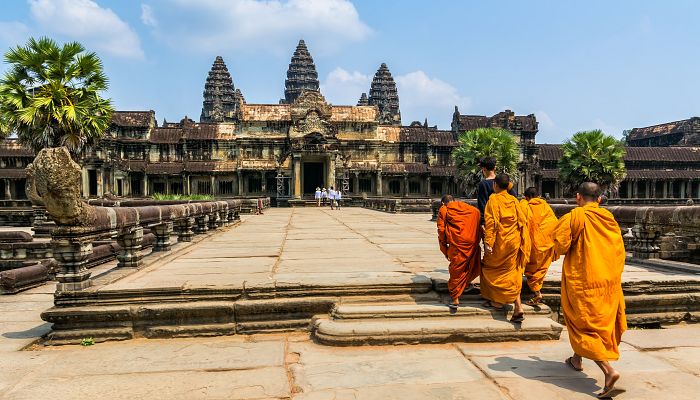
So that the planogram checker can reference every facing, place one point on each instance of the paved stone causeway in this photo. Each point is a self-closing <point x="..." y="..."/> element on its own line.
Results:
<point x="660" y="363"/>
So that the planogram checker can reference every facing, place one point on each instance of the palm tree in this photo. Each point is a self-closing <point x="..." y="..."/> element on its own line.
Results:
<point x="50" y="96"/>
<point x="592" y="156"/>
<point x="485" y="142"/>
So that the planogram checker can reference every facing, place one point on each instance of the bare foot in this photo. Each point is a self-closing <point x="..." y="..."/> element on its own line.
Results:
<point x="611" y="379"/>
<point x="610" y="391"/>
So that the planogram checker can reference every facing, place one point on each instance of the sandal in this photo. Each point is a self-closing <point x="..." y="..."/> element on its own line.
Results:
<point x="453" y="306"/>
<point x="518" y="318"/>
<point x="535" y="301"/>
<point x="570" y="363"/>
<point x="610" y="392"/>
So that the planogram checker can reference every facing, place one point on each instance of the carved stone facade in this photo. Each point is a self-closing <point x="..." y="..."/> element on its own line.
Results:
<point x="301" y="75"/>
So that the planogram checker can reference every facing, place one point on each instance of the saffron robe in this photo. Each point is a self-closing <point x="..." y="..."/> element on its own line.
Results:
<point x="459" y="236"/>
<point x="541" y="223"/>
<point x="506" y="232"/>
<point x="591" y="282"/>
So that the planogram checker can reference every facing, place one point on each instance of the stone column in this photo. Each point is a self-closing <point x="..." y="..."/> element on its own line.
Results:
<point x="145" y="185"/>
<point x="635" y="189"/>
<point x="263" y="182"/>
<point x="647" y="189"/>
<point x="224" y="216"/>
<point x="405" y="185"/>
<point x="185" y="185"/>
<point x="682" y="189"/>
<point x="213" y="187"/>
<point x="71" y="254"/>
<point x="239" y="178"/>
<point x="185" y="232"/>
<point x="630" y="195"/>
<point x="356" y="185"/>
<point x="689" y="189"/>
<point x="297" y="176"/>
<point x="8" y="191"/>
<point x="379" y="183"/>
<point x="331" y="173"/>
<point x="202" y="222"/>
<point x="665" y="190"/>
<point x="163" y="232"/>
<point x="697" y="193"/>
<point x="428" y="192"/>
<point x="652" y="193"/>
<point x="130" y="241"/>
<point x="100" y="176"/>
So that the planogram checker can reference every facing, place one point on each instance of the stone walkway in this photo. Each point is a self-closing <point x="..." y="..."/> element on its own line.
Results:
<point x="298" y="244"/>
<point x="310" y="243"/>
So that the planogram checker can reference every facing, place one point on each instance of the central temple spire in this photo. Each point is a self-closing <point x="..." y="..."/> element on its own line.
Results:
<point x="384" y="95"/>
<point x="301" y="74"/>
<point x="220" y="98"/>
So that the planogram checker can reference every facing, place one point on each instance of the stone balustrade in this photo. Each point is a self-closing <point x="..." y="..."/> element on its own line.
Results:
<point x="73" y="245"/>
<point x="398" y="205"/>
<point x="666" y="232"/>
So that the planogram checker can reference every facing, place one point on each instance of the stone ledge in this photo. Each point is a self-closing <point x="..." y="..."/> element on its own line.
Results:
<point x="434" y="310"/>
<point x="432" y="330"/>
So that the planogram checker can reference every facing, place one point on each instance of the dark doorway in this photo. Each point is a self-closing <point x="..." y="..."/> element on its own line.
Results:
<point x="313" y="176"/>
<point x="92" y="182"/>
<point x="120" y="188"/>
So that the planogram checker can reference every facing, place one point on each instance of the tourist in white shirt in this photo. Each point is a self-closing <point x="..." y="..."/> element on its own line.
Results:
<point x="331" y="196"/>
<point x="317" y="197"/>
<point x="324" y="196"/>
<point x="338" y="198"/>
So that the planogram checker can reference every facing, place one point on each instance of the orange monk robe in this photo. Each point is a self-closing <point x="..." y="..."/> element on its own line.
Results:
<point x="541" y="222"/>
<point x="459" y="236"/>
<point x="506" y="232"/>
<point x="591" y="283"/>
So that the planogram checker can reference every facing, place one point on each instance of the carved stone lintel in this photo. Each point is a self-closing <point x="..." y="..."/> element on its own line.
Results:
<point x="185" y="232"/>
<point x="130" y="254"/>
<point x="71" y="254"/>
<point x="202" y="222"/>
<point x="163" y="232"/>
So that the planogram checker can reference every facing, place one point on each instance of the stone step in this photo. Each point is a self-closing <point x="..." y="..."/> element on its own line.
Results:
<point x="378" y="331"/>
<point x="427" y="310"/>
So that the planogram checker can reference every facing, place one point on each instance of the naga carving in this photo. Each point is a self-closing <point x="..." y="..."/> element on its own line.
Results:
<point x="53" y="180"/>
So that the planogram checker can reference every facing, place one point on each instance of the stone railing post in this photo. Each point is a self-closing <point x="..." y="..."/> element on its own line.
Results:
<point x="220" y="218"/>
<point x="185" y="233"/>
<point x="130" y="253"/>
<point x="202" y="222"/>
<point x="645" y="242"/>
<point x="224" y="214"/>
<point x="71" y="252"/>
<point x="163" y="232"/>
<point x="212" y="221"/>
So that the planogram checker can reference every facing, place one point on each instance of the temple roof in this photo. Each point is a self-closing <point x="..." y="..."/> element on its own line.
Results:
<point x="400" y="168"/>
<point x="683" y="126"/>
<point x="363" y="101"/>
<point x="421" y="134"/>
<point x="13" y="173"/>
<point x="12" y="148"/>
<point x="221" y="99"/>
<point x="134" y="119"/>
<point x="301" y="74"/>
<point x="553" y="152"/>
<point x="282" y="112"/>
<point x="384" y="95"/>
<point x="504" y="119"/>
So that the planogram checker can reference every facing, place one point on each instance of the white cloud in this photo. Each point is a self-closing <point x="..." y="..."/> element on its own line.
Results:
<point x="606" y="128"/>
<point x="147" y="16"/>
<point x="84" y="20"/>
<point x="421" y="96"/>
<point x="343" y="87"/>
<point x="209" y="25"/>
<point x="13" y="33"/>
<point x="545" y="121"/>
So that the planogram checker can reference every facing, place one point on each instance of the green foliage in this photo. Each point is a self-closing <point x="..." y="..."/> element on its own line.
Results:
<point x="87" y="342"/>
<point x="50" y="96"/>
<point x="485" y="142"/>
<point x="595" y="157"/>
<point x="162" y="196"/>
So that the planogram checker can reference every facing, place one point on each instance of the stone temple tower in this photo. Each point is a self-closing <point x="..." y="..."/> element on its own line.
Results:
<point x="384" y="95"/>
<point x="301" y="74"/>
<point x="220" y="98"/>
<point x="363" y="100"/>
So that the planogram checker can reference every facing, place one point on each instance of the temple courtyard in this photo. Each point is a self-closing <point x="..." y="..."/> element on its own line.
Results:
<point x="311" y="249"/>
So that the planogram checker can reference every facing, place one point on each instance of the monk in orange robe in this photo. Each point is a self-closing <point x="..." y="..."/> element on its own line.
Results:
<point x="459" y="237"/>
<point x="507" y="247"/>
<point x="541" y="223"/>
<point x="591" y="283"/>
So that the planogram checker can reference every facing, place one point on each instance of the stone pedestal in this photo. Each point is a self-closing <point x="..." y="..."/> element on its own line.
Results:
<point x="224" y="217"/>
<point x="185" y="232"/>
<point x="130" y="254"/>
<point x="71" y="254"/>
<point x="213" y="224"/>
<point x="163" y="232"/>
<point x="202" y="222"/>
<point x="645" y="242"/>
<point x="221" y="219"/>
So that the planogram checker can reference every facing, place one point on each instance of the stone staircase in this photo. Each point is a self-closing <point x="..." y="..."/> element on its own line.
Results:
<point x="411" y="323"/>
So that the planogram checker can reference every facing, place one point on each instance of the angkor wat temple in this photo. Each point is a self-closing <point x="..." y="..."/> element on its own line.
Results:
<point x="288" y="149"/>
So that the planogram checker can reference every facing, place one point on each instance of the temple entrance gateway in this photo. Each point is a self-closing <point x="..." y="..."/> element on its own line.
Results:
<point x="312" y="177"/>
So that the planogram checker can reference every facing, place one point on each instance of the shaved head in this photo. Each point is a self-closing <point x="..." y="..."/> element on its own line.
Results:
<point x="589" y="191"/>
<point x="447" y="199"/>
<point x="502" y="181"/>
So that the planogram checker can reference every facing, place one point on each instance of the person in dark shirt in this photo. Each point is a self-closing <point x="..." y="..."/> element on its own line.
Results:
<point x="485" y="188"/>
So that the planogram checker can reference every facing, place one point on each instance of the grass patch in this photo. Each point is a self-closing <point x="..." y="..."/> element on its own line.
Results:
<point x="162" y="196"/>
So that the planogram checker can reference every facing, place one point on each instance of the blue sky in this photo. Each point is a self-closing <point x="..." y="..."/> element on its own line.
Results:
<point x="611" y="65"/>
